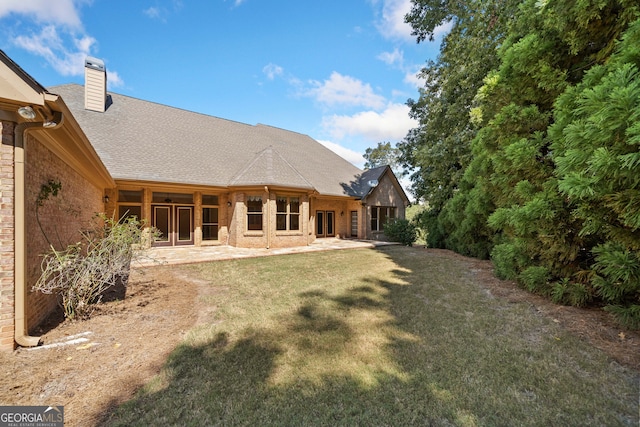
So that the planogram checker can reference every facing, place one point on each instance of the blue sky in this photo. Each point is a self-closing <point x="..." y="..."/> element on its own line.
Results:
<point x="339" y="71"/>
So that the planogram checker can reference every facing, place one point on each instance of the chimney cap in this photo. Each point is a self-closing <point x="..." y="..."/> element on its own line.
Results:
<point x="95" y="63"/>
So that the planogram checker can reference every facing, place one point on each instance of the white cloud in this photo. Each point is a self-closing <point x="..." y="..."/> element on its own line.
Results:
<point x="272" y="71"/>
<point x="412" y="78"/>
<point x="392" y="124"/>
<point x="442" y="30"/>
<point x="391" y="20"/>
<point x="114" y="79"/>
<point x="351" y="156"/>
<point x="59" y="38"/>
<point x="59" y="12"/>
<point x="395" y="58"/>
<point x="49" y="45"/>
<point x="346" y="91"/>
<point x="161" y="13"/>
<point x="153" y="13"/>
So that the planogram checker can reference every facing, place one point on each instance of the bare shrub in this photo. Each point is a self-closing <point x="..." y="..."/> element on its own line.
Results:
<point x="82" y="272"/>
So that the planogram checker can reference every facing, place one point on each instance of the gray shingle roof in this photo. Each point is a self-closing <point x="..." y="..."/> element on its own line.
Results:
<point x="142" y="140"/>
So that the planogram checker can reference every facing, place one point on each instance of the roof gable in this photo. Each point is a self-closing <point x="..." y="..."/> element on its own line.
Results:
<point x="270" y="168"/>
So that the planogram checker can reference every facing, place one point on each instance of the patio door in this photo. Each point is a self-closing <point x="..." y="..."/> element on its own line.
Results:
<point x="175" y="224"/>
<point x="325" y="222"/>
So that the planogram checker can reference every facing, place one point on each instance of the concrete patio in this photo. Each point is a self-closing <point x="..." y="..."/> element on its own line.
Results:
<point x="191" y="254"/>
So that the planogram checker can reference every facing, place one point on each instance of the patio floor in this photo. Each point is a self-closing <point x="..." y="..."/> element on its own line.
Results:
<point x="192" y="254"/>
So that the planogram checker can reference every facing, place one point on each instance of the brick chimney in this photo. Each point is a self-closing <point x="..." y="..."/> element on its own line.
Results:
<point x="95" y="85"/>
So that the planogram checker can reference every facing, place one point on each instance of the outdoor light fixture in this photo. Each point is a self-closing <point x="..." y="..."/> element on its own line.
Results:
<point x="229" y="204"/>
<point x="27" y="113"/>
<point x="55" y="120"/>
<point x="106" y="199"/>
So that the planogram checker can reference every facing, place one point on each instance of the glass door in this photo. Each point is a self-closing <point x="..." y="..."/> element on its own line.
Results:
<point x="175" y="224"/>
<point x="184" y="225"/>
<point x="162" y="221"/>
<point x="320" y="224"/>
<point x="325" y="221"/>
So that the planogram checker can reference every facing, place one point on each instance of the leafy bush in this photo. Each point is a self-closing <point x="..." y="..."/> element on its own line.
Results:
<point x="628" y="316"/>
<point x="535" y="279"/>
<point x="576" y="294"/>
<point x="508" y="260"/>
<point x="401" y="230"/>
<point x="82" y="272"/>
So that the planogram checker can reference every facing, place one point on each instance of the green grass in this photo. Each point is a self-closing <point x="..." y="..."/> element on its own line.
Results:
<point x="394" y="336"/>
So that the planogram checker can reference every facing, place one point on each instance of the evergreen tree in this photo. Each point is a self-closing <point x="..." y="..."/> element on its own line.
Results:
<point x="439" y="149"/>
<point x="596" y="142"/>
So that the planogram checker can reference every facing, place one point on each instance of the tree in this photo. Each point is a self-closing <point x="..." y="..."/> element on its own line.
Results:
<point x="596" y="139"/>
<point x="383" y="154"/>
<point x="439" y="150"/>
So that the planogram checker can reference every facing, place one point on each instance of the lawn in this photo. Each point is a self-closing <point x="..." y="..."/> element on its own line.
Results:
<point x="393" y="336"/>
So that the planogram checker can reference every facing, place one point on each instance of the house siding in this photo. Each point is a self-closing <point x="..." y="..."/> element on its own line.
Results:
<point x="62" y="217"/>
<point x="7" y="242"/>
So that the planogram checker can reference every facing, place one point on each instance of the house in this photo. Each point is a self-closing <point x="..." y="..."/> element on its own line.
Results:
<point x="200" y="180"/>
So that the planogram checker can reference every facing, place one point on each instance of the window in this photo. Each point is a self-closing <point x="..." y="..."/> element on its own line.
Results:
<point x="287" y="213"/>
<point x="381" y="215"/>
<point x="254" y="213"/>
<point x="128" y="211"/>
<point x="209" y="217"/>
<point x="129" y="204"/>
<point x="185" y="199"/>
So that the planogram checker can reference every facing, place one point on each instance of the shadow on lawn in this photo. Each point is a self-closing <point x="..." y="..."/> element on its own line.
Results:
<point x="373" y="354"/>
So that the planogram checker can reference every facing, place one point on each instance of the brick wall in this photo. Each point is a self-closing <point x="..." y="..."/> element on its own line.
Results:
<point x="62" y="217"/>
<point x="385" y="194"/>
<point x="7" y="268"/>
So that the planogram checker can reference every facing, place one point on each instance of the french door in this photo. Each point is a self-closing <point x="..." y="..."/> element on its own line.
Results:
<point x="175" y="224"/>
<point x="325" y="224"/>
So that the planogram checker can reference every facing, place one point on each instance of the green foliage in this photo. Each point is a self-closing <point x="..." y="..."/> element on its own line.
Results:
<point x="50" y="189"/>
<point x="628" y="316"/>
<point x="564" y="291"/>
<point x="439" y="150"/>
<point x="383" y="155"/>
<point x="617" y="277"/>
<point x="535" y="279"/>
<point x="535" y="156"/>
<point x="82" y="272"/>
<point x="508" y="259"/>
<point x="402" y="231"/>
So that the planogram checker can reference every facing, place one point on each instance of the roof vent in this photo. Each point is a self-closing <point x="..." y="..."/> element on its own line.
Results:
<point x="95" y="85"/>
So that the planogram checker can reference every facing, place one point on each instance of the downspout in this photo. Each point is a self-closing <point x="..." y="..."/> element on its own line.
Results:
<point x="266" y="189"/>
<point x="21" y="334"/>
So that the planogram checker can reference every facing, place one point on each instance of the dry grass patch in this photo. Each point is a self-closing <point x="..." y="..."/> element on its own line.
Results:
<point x="395" y="336"/>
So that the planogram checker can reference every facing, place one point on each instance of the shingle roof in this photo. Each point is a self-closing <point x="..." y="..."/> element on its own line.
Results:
<point x="142" y="140"/>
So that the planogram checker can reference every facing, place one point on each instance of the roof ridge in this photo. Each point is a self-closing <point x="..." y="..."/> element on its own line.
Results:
<point x="268" y="155"/>
<point x="172" y="107"/>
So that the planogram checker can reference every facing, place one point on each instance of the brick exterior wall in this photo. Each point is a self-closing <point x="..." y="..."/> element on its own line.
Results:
<point x="7" y="271"/>
<point x="62" y="217"/>
<point x="385" y="194"/>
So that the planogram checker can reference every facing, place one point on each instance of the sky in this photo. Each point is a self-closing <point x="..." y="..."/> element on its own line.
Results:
<point x="340" y="71"/>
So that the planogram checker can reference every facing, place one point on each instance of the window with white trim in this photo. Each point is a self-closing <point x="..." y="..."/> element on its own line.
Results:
<point x="381" y="215"/>
<point x="287" y="213"/>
